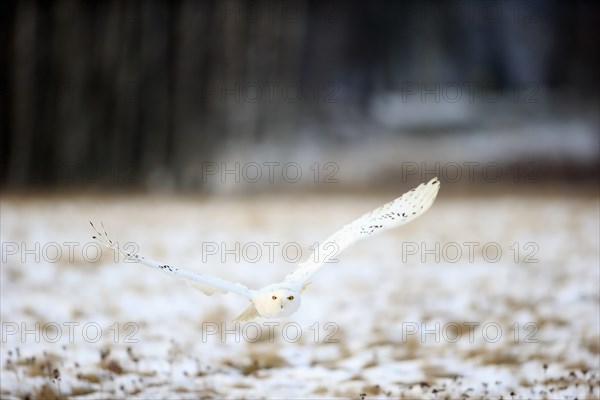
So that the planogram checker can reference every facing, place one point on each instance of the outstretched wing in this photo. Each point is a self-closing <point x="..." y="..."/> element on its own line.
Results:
<point x="206" y="284"/>
<point x="395" y="213"/>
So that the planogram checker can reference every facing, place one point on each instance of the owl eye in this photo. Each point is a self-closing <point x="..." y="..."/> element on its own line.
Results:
<point x="291" y="298"/>
<point x="274" y="297"/>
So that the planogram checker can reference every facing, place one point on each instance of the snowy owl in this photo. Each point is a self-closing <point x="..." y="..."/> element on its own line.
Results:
<point x="283" y="299"/>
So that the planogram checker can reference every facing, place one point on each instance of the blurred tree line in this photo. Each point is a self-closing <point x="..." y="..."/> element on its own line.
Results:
<point x="150" y="87"/>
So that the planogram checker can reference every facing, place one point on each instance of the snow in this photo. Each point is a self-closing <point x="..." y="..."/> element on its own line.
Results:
<point x="385" y="321"/>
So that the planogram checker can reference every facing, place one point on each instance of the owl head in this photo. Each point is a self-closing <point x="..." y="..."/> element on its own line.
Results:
<point x="277" y="302"/>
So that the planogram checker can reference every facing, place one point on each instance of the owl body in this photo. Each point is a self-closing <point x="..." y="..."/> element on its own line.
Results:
<point x="276" y="301"/>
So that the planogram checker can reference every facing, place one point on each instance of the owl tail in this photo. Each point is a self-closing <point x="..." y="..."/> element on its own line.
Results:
<point x="248" y="314"/>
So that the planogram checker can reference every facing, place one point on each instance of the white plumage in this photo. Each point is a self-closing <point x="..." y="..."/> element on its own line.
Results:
<point x="283" y="299"/>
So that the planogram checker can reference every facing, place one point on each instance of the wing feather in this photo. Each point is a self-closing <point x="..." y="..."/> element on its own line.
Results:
<point x="206" y="284"/>
<point x="395" y="213"/>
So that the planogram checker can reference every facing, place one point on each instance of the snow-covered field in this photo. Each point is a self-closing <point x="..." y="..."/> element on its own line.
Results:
<point x="482" y="297"/>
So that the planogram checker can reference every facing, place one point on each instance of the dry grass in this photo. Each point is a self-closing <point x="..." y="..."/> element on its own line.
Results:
<point x="370" y="359"/>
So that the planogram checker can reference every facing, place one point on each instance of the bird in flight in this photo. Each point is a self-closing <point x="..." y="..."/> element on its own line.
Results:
<point x="282" y="299"/>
